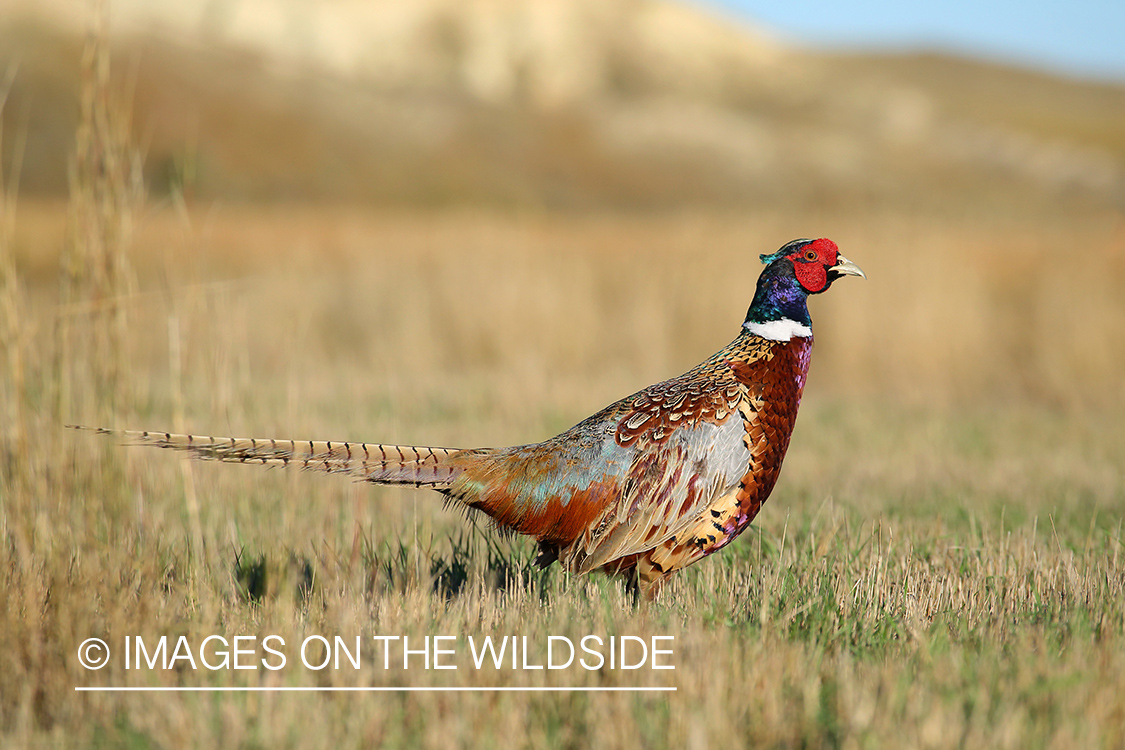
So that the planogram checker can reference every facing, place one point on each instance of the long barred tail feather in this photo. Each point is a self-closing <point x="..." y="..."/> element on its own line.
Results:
<point x="416" y="466"/>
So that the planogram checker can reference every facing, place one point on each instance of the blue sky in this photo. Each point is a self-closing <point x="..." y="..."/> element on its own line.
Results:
<point x="1084" y="38"/>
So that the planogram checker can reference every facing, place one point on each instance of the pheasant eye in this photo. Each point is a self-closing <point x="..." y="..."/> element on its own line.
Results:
<point x="810" y="255"/>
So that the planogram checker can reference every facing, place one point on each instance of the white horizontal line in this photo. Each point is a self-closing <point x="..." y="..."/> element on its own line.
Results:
<point x="111" y="689"/>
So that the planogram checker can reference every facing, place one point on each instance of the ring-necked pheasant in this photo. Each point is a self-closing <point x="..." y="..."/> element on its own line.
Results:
<point x="648" y="485"/>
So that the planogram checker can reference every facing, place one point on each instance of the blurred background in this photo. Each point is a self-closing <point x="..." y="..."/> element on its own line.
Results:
<point x="576" y="191"/>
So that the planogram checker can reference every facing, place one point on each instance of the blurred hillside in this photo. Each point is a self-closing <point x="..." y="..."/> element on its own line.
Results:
<point x="557" y="104"/>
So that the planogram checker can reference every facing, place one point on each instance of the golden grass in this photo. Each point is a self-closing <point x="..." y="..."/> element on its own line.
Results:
<point x="958" y="308"/>
<point x="939" y="566"/>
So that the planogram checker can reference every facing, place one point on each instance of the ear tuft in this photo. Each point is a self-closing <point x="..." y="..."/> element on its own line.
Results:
<point x="786" y="249"/>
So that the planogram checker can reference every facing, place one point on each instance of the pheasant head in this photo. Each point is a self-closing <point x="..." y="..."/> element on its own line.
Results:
<point x="800" y="268"/>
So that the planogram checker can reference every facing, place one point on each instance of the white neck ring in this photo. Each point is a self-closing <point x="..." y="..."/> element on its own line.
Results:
<point x="779" y="330"/>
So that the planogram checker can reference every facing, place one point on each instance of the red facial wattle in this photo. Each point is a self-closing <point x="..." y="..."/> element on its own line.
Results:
<point x="812" y="275"/>
<point x="811" y="264"/>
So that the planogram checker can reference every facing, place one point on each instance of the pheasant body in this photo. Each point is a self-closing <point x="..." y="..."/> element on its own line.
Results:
<point x="652" y="483"/>
<point x="657" y="480"/>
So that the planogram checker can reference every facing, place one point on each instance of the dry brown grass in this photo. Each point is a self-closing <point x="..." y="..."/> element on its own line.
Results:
<point x="938" y="567"/>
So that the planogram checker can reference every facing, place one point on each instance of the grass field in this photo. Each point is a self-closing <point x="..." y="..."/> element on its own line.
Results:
<point x="939" y="566"/>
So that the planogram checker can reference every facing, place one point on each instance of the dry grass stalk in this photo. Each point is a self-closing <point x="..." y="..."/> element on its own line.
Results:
<point x="106" y="194"/>
<point x="12" y="444"/>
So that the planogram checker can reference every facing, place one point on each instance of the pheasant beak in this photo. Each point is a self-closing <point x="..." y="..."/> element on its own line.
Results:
<point x="845" y="267"/>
